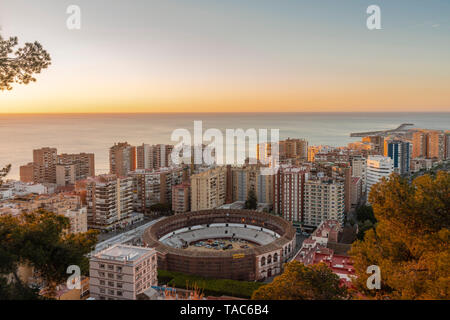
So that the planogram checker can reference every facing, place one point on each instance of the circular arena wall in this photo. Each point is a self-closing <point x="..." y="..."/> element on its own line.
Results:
<point x="255" y="263"/>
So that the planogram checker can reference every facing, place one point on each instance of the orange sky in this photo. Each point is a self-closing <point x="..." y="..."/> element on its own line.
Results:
<point x="225" y="56"/>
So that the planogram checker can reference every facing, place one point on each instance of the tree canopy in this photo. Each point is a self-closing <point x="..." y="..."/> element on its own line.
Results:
<point x="300" y="282"/>
<point x="40" y="240"/>
<point x="252" y="201"/>
<point x="18" y="65"/>
<point x="410" y="242"/>
<point x="4" y="172"/>
<point x="366" y="220"/>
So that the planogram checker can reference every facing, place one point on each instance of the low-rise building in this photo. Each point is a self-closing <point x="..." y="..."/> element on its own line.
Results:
<point x="122" y="272"/>
<point x="317" y="249"/>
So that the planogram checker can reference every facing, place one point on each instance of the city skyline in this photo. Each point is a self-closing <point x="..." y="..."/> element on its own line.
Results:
<point x="214" y="56"/>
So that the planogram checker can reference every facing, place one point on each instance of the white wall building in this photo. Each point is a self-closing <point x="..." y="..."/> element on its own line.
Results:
<point x="377" y="168"/>
<point x="121" y="272"/>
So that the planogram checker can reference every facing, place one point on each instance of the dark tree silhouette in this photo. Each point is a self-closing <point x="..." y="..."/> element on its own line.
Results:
<point x="18" y="65"/>
<point x="252" y="201"/>
<point x="4" y="172"/>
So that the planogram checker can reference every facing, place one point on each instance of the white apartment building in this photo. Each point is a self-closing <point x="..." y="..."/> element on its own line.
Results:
<point x="109" y="201"/>
<point x="121" y="272"/>
<point x="324" y="200"/>
<point x="377" y="168"/>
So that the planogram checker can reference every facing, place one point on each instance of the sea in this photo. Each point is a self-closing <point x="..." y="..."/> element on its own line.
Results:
<point x="95" y="133"/>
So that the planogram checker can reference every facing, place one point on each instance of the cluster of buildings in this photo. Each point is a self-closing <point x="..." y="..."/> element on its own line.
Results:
<point x="323" y="246"/>
<point x="50" y="168"/>
<point x="314" y="188"/>
<point x="313" y="183"/>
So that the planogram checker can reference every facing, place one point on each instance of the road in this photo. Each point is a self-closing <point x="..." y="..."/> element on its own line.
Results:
<point x="125" y="236"/>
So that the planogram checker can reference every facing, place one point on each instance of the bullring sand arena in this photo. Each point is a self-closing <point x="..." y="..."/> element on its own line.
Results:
<point x="232" y="244"/>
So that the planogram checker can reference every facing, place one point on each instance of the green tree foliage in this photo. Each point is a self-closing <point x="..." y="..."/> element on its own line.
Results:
<point x="364" y="213"/>
<point x="252" y="201"/>
<point x="300" y="282"/>
<point x="4" y="172"/>
<point x="410" y="243"/>
<point x="40" y="240"/>
<point x="18" y="65"/>
<point x="162" y="208"/>
<point x="208" y="286"/>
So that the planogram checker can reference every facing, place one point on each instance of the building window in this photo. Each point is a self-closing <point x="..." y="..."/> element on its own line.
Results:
<point x="102" y="290"/>
<point x="119" y="277"/>
<point x="119" y="285"/>
<point x="263" y="261"/>
<point x="110" y="267"/>
<point x="119" y="269"/>
<point x="111" y="283"/>
<point x="102" y="282"/>
<point x="102" y="266"/>
<point x="119" y="293"/>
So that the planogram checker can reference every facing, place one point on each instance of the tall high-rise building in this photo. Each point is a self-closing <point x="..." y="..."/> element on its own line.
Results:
<point x="324" y="200"/>
<point x="377" y="142"/>
<point x="144" y="157"/>
<point x="293" y="148"/>
<point x="74" y="167"/>
<point x="359" y="170"/>
<point x="447" y="144"/>
<point x="209" y="189"/>
<point x="287" y="149"/>
<point x="400" y="152"/>
<point x="429" y="144"/>
<point x="27" y="172"/>
<point x="109" y="201"/>
<point x="181" y="198"/>
<point x="288" y="192"/>
<point x="122" y="159"/>
<point x="162" y="155"/>
<point x="248" y="178"/>
<point x="435" y="144"/>
<point x="86" y="163"/>
<point x="44" y="165"/>
<point x="419" y="141"/>
<point x="378" y="167"/>
<point x="154" y="156"/>
<point x="152" y="187"/>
